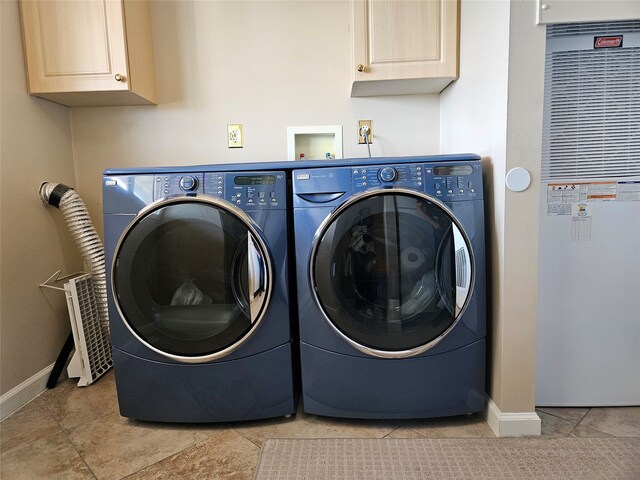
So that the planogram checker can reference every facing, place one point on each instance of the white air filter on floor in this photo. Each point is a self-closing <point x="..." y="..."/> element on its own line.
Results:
<point x="92" y="357"/>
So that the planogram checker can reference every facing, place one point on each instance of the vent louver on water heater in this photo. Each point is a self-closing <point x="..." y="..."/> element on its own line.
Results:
<point x="86" y="295"/>
<point x="592" y="101"/>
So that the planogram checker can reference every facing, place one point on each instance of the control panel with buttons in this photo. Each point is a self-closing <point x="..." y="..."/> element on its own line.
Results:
<point x="248" y="190"/>
<point x="407" y="176"/>
<point x="176" y="184"/>
<point x="456" y="181"/>
<point x="446" y="181"/>
<point x="244" y="189"/>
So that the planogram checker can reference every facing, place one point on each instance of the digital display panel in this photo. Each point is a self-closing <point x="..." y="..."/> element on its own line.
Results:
<point x="255" y="180"/>
<point x="453" y="170"/>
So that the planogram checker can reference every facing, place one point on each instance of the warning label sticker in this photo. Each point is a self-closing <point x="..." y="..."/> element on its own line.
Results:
<point x="582" y="192"/>
<point x="573" y="199"/>
<point x="559" y="195"/>
<point x="559" y="209"/>
<point x="628" y="192"/>
<point x="563" y="193"/>
<point x="598" y="192"/>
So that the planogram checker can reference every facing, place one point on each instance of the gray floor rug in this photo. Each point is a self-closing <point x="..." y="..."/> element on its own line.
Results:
<point x="409" y="459"/>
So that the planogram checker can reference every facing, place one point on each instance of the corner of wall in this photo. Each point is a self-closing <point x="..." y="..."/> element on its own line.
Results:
<point x="73" y="148"/>
<point x="22" y="394"/>
<point x="512" y="424"/>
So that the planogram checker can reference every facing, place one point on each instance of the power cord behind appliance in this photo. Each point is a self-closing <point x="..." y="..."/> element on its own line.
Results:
<point x="364" y="132"/>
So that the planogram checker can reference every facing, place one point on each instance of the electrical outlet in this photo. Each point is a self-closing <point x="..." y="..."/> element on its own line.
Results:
<point x="234" y="135"/>
<point x="362" y="125"/>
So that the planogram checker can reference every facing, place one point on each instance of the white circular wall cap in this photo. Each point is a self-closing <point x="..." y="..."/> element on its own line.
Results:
<point x="518" y="179"/>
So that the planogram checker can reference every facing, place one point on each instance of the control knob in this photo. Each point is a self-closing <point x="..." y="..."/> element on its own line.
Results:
<point x="189" y="184"/>
<point x="388" y="174"/>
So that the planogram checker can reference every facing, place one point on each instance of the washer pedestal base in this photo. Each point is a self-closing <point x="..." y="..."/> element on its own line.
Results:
<point x="450" y="383"/>
<point x="248" y="388"/>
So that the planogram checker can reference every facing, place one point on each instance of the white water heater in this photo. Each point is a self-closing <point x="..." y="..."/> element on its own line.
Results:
<point x="589" y="274"/>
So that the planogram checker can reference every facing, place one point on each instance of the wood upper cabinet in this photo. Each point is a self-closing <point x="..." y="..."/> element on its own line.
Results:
<point x="404" y="46"/>
<point x="89" y="52"/>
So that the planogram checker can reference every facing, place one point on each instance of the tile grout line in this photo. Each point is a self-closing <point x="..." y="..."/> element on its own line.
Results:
<point x="162" y="459"/>
<point x="572" y="429"/>
<point x="64" y="432"/>
<point x="46" y="405"/>
<point x="387" y="434"/>
<point x="596" y="430"/>
<point x="5" y="451"/>
<point x="562" y="418"/>
<point x="576" y="425"/>
<point x="404" y="425"/>
<point x="247" y="438"/>
<point x="421" y="435"/>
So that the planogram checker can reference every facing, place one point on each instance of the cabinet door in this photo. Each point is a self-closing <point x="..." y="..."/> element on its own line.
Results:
<point x="413" y="42"/>
<point x="75" y="46"/>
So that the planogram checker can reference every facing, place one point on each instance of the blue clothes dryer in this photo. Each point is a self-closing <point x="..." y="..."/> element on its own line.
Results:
<point x="198" y="299"/>
<point x="391" y="287"/>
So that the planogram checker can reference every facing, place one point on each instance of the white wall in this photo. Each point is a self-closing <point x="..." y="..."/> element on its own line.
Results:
<point x="496" y="106"/>
<point x="34" y="242"/>
<point x="521" y="225"/>
<point x="474" y="118"/>
<point x="267" y="65"/>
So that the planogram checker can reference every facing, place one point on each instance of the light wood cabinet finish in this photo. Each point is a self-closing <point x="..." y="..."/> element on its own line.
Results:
<point x="403" y="47"/>
<point x="89" y="52"/>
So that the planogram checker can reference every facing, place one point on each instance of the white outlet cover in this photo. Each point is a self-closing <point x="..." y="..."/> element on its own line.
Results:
<point x="518" y="179"/>
<point x="234" y="132"/>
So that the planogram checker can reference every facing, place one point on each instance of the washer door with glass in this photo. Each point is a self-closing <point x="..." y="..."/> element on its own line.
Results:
<point x="393" y="271"/>
<point x="192" y="278"/>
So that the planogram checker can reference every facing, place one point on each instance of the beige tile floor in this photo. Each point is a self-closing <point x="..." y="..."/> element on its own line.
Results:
<point x="77" y="433"/>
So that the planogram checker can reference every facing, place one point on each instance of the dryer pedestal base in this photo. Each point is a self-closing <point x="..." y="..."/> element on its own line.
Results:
<point x="450" y="383"/>
<point x="248" y="388"/>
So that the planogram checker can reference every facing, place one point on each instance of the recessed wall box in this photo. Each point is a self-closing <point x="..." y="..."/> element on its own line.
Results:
<point x="315" y="142"/>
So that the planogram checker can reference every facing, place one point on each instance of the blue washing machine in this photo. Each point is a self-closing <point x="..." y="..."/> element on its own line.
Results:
<point x="199" y="298"/>
<point x="391" y="287"/>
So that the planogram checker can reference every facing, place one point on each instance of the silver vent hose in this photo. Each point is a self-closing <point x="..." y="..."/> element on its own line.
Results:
<point x="86" y="238"/>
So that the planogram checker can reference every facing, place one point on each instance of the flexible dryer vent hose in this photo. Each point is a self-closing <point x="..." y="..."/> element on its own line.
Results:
<point x="87" y="240"/>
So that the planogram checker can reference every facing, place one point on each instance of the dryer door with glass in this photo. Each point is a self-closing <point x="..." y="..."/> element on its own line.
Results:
<point x="192" y="278"/>
<point x="393" y="271"/>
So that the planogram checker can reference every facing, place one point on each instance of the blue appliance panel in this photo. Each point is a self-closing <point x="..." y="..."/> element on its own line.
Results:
<point x="447" y="182"/>
<point x="250" y="388"/>
<point x="168" y="185"/>
<point x="255" y="380"/>
<point x="338" y="385"/>
<point x="249" y="191"/>
<point x="341" y="380"/>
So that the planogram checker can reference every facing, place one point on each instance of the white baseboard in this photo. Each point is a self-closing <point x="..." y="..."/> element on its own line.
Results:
<point x="24" y="393"/>
<point x="512" y="424"/>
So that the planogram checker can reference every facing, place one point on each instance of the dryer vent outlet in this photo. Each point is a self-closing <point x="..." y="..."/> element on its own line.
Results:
<point x="78" y="221"/>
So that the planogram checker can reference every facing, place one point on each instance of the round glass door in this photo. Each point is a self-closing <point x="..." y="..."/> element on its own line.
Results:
<point x="191" y="278"/>
<point x="393" y="272"/>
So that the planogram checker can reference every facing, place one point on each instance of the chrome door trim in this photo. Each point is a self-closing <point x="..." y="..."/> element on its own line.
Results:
<point x="257" y="279"/>
<point x="335" y="214"/>
<point x="464" y="270"/>
<point x="254" y="232"/>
